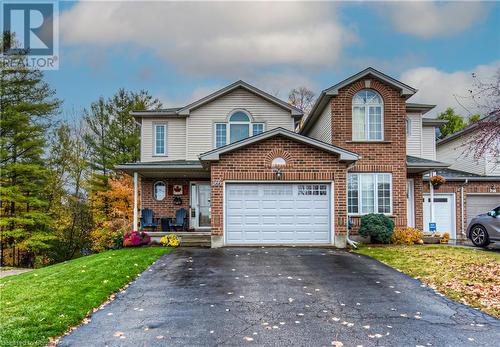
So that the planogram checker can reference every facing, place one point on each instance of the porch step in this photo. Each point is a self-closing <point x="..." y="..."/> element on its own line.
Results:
<point x="188" y="238"/>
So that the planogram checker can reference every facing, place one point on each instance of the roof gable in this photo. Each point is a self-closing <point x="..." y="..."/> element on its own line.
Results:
<point x="214" y="154"/>
<point x="294" y="112"/>
<point x="404" y="88"/>
<point x="327" y="94"/>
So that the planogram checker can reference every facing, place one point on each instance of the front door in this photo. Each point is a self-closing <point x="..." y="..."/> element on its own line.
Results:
<point x="200" y="205"/>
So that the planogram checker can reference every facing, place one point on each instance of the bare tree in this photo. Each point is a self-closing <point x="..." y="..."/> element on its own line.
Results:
<point x="302" y="98"/>
<point x="485" y="140"/>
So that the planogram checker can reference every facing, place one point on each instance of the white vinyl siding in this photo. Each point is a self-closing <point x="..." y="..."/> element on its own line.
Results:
<point x="429" y="142"/>
<point x="493" y="163"/>
<point x="414" y="139"/>
<point x="454" y="153"/>
<point x="176" y="139"/>
<point x="201" y="134"/>
<point x="322" y="128"/>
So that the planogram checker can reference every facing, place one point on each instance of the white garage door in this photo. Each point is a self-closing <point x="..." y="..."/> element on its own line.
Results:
<point x="444" y="209"/>
<point x="278" y="213"/>
<point x="481" y="203"/>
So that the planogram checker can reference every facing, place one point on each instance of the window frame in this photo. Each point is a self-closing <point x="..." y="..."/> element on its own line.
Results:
<point x="228" y="123"/>
<point x="165" y="152"/>
<point x="366" y="107"/>
<point x="154" y="190"/>
<point x="408" y="126"/>
<point x="375" y="193"/>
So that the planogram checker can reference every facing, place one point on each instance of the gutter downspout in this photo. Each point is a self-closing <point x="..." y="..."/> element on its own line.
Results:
<point x="349" y="223"/>
<point x="431" y="190"/>
<point x="462" y="221"/>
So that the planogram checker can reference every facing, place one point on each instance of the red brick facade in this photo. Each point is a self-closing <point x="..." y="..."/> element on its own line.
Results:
<point x="417" y="200"/>
<point x="253" y="163"/>
<point x="165" y="207"/>
<point x="470" y="187"/>
<point x="387" y="156"/>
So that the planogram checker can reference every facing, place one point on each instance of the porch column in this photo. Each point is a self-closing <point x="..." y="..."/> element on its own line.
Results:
<point x="136" y="179"/>
<point x="431" y="190"/>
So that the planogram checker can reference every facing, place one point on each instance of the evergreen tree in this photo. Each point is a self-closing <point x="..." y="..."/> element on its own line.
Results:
<point x="113" y="135"/>
<point x="27" y="106"/>
<point x="69" y="207"/>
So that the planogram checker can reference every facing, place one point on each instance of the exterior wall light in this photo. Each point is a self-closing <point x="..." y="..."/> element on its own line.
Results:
<point x="277" y="173"/>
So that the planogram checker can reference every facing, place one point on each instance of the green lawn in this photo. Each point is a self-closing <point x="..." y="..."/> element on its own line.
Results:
<point x="468" y="275"/>
<point x="44" y="303"/>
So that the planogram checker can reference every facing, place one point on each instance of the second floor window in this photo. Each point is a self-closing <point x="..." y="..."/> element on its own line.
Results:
<point x="238" y="127"/>
<point x="160" y="139"/>
<point x="367" y="116"/>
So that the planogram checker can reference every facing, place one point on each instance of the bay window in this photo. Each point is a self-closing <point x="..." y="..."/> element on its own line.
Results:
<point x="367" y="116"/>
<point x="369" y="193"/>
<point x="238" y="127"/>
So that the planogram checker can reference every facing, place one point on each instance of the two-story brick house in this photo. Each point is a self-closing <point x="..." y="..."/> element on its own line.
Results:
<point x="234" y="160"/>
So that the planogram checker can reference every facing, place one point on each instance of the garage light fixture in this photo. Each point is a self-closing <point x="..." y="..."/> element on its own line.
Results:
<point x="277" y="173"/>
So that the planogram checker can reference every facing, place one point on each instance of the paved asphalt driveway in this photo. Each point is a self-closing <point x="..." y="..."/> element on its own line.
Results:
<point x="280" y="297"/>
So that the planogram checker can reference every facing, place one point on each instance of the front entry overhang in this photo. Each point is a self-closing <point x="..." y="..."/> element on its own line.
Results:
<point x="191" y="169"/>
<point x="417" y="165"/>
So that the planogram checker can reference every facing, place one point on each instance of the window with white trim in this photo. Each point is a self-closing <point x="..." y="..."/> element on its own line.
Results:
<point x="369" y="193"/>
<point x="367" y="116"/>
<point x="159" y="190"/>
<point x="239" y="127"/>
<point x="408" y="126"/>
<point x="160" y="139"/>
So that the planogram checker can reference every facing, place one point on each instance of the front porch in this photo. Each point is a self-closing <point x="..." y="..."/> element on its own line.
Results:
<point x="178" y="194"/>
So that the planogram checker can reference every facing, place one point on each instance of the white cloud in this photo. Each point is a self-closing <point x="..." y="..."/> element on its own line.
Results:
<point x="207" y="38"/>
<point x="428" y="19"/>
<point x="445" y="88"/>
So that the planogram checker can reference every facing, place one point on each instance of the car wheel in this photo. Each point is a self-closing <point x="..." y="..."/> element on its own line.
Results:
<point x="479" y="236"/>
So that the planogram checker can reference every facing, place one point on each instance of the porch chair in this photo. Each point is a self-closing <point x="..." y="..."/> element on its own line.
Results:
<point x="180" y="220"/>
<point x="148" y="219"/>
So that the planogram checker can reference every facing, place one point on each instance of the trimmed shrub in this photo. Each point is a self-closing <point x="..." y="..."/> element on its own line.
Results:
<point x="406" y="236"/>
<point x="378" y="226"/>
<point x="135" y="238"/>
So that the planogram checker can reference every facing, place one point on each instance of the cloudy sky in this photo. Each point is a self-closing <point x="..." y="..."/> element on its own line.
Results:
<point x="182" y="51"/>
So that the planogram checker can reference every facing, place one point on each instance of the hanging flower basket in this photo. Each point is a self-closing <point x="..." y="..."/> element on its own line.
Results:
<point x="437" y="181"/>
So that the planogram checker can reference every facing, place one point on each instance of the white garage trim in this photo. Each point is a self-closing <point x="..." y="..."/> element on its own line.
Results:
<point x="331" y="214"/>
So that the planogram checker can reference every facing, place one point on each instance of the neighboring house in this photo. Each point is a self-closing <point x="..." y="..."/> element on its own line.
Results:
<point x="472" y="187"/>
<point x="234" y="161"/>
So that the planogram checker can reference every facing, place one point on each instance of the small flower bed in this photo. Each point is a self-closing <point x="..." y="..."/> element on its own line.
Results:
<point x="135" y="238"/>
<point x="170" y="240"/>
<point x="407" y="236"/>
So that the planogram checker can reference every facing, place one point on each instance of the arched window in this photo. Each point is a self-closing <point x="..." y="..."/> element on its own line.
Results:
<point x="239" y="126"/>
<point x="159" y="190"/>
<point x="277" y="162"/>
<point x="367" y="116"/>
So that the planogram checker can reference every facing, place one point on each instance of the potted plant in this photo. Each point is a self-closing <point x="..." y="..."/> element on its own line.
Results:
<point x="437" y="181"/>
